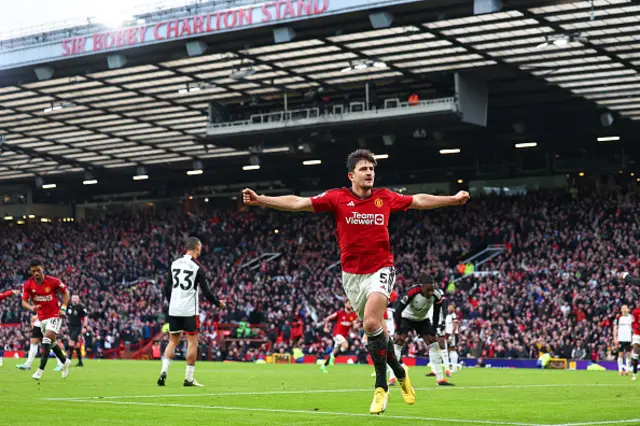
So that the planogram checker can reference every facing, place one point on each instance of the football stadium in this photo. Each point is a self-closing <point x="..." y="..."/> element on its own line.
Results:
<point x="320" y="212"/>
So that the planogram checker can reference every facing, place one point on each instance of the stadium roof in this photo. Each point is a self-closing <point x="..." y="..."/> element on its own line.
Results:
<point x="553" y="68"/>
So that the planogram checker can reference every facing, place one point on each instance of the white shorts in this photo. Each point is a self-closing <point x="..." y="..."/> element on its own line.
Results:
<point x="358" y="287"/>
<point x="391" y="326"/>
<point x="51" y="324"/>
<point x="452" y="340"/>
<point x="339" y="339"/>
<point x="635" y="340"/>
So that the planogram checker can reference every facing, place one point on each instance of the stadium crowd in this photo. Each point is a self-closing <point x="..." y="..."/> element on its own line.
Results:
<point x="553" y="289"/>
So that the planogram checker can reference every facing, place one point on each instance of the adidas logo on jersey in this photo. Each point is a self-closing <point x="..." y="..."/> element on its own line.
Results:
<point x="351" y="204"/>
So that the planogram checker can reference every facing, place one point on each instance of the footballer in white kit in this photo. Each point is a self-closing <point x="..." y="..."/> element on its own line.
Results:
<point x="442" y="342"/>
<point x="419" y="310"/>
<point x="391" y="329"/>
<point x="622" y="335"/>
<point x="451" y="329"/>
<point x="185" y="277"/>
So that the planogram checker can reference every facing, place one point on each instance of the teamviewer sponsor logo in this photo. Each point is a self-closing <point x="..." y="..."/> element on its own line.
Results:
<point x="365" y="219"/>
<point x="47" y="298"/>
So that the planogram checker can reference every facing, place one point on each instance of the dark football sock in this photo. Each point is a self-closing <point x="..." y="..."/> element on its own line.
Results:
<point x="56" y="350"/>
<point x="44" y="351"/>
<point x="79" y="353"/>
<point x="394" y="362"/>
<point x="377" y="346"/>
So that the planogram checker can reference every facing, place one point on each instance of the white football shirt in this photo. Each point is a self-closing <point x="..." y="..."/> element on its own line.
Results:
<point x="449" y="322"/>
<point x="624" y="327"/>
<point x="186" y="274"/>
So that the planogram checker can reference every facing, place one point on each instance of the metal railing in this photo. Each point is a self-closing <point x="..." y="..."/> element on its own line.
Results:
<point x="257" y="261"/>
<point x="354" y="109"/>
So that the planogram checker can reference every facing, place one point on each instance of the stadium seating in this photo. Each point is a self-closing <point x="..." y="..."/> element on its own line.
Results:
<point x="554" y="286"/>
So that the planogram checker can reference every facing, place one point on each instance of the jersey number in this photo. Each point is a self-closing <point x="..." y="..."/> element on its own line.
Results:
<point x="186" y="282"/>
<point x="388" y="279"/>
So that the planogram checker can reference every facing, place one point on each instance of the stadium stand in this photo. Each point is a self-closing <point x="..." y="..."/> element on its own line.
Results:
<point x="552" y="289"/>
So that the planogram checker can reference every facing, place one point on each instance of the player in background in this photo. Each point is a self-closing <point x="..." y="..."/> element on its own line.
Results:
<point x="635" y="341"/>
<point x="412" y="313"/>
<point x="186" y="276"/>
<point x="362" y="215"/>
<point x="36" y="339"/>
<point x="41" y="291"/>
<point x="622" y="333"/>
<point x="4" y="295"/>
<point x="345" y="320"/>
<point x="442" y="343"/>
<point x="635" y="338"/>
<point x="390" y="325"/>
<point x="451" y="329"/>
<point x="77" y="315"/>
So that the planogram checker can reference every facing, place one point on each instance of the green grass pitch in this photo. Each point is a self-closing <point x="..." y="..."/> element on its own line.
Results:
<point x="125" y="393"/>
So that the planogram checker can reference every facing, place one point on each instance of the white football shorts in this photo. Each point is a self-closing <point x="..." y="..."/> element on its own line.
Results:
<point x="390" y="324"/>
<point x="51" y="324"/>
<point x="358" y="287"/>
<point x="339" y="339"/>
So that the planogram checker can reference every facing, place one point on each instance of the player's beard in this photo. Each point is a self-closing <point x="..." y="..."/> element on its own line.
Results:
<point x="367" y="185"/>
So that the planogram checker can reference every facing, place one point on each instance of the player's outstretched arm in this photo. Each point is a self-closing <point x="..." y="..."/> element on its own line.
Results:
<point x="430" y="202"/>
<point x="289" y="203"/>
<point x="630" y="279"/>
<point x="9" y="293"/>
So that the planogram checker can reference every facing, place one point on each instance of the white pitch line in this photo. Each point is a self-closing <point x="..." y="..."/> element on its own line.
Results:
<point x="306" y="412"/>
<point x="603" y="422"/>
<point x="296" y="392"/>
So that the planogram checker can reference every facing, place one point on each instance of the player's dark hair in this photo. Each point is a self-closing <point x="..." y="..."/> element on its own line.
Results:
<point x="426" y="278"/>
<point x="36" y="261"/>
<point x="358" y="155"/>
<point x="192" y="243"/>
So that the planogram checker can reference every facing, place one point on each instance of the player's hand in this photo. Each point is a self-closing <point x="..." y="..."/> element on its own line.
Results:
<point x="461" y="198"/>
<point x="622" y="275"/>
<point x="35" y="308"/>
<point x="16" y="292"/>
<point x="62" y="313"/>
<point x="222" y="305"/>
<point x="250" y="198"/>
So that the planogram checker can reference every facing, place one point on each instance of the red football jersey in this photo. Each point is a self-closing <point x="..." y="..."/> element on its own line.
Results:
<point x="6" y="294"/>
<point x="636" y="321"/>
<point x="44" y="295"/>
<point x="344" y="322"/>
<point x="362" y="226"/>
